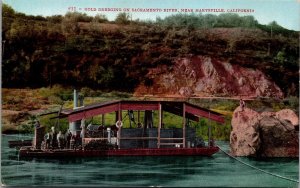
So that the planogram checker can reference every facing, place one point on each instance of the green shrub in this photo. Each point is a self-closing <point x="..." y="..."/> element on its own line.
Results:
<point x="87" y="92"/>
<point x="28" y="127"/>
<point x="218" y="131"/>
<point x="293" y="102"/>
<point x="57" y="93"/>
<point x="54" y="99"/>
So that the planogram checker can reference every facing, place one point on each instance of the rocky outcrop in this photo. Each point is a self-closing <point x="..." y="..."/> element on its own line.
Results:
<point x="289" y="115"/>
<point x="266" y="134"/>
<point x="206" y="76"/>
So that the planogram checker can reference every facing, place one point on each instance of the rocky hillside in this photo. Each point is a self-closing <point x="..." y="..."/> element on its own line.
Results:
<point x="162" y="57"/>
<point x="198" y="76"/>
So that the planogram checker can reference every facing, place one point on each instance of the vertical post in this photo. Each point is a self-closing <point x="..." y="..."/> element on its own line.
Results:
<point x="120" y="113"/>
<point x="82" y="133"/>
<point x="103" y="120"/>
<point x="117" y="116"/>
<point x="209" y="130"/>
<point x="39" y="133"/>
<point x="81" y="99"/>
<point x="162" y="119"/>
<point x="75" y="126"/>
<point x="138" y="116"/>
<point x="209" y="126"/>
<point x="119" y="130"/>
<point x="108" y="134"/>
<point x="159" y="125"/>
<point x="129" y="117"/>
<point x="183" y="125"/>
<point x="75" y="100"/>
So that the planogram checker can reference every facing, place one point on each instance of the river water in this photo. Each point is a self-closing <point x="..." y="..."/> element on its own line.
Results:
<point x="216" y="171"/>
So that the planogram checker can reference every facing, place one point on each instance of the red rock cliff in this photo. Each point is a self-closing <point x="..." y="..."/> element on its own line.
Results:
<point x="205" y="76"/>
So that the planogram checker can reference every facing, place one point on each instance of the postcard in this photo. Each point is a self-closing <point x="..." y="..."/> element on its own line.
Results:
<point x="136" y="93"/>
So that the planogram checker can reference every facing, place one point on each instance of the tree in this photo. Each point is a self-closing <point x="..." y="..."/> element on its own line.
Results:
<point x="70" y="23"/>
<point x="7" y="11"/>
<point x="209" y="20"/>
<point x="55" y="18"/>
<point x="122" y="18"/>
<point x="249" y="21"/>
<point x="275" y="28"/>
<point x="229" y="20"/>
<point x="100" y="18"/>
<point x="8" y="14"/>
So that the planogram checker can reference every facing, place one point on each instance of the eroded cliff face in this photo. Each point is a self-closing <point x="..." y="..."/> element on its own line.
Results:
<point x="205" y="76"/>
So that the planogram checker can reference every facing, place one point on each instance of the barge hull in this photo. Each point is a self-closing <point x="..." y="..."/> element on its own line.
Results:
<point x="19" y="143"/>
<point x="205" y="151"/>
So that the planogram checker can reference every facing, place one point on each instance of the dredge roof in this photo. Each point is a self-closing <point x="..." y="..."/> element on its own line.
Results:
<point x="192" y="111"/>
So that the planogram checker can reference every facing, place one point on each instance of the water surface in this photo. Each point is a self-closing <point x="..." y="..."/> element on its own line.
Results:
<point x="216" y="171"/>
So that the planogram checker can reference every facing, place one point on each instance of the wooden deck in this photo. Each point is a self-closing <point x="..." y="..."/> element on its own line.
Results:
<point x="203" y="151"/>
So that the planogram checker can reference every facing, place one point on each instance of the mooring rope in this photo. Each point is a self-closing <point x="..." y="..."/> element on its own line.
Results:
<point x="261" y="170"/>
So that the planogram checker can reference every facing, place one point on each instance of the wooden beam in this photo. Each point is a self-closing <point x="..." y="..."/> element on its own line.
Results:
<point x="48" y="113"/>
<point x="139" y="106"/>
<point x="92" y="112"/>
<point x="138" y="138"/>
<point x="183" y="125"/>
<point x="147" y="138"/>
<point x="171" y="138"/>
<point x="179" y="143"/>
<point x="159" y="125"/>
<point x="178" y="112"/>
<point x="90" y="139"/>
<point x="203" y="113"/>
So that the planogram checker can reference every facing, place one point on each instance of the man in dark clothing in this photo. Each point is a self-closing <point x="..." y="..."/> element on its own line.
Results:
<point x="68" y="136"/>
<point x="47" y="140"/>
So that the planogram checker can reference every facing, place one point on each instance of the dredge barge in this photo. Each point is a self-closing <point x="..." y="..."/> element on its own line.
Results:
<point x="149" y="138"/>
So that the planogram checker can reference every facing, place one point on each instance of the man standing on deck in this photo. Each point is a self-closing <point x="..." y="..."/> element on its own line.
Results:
<point x="82" y="133"/>
<point x="47" y="140"/>
<point x="60" y="140"/>
<point x="242" y="104"/>
<point x="53" y="140"/>
<point x="68" y="136"/>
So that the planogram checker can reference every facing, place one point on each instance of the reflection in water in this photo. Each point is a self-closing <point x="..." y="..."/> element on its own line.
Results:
<point x="218" y="170"/>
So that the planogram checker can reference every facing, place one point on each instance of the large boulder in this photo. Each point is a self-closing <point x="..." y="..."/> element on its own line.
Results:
<point x="266" y="134"/>
<point x="244" y="137"/>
